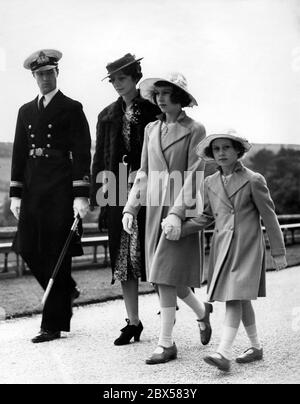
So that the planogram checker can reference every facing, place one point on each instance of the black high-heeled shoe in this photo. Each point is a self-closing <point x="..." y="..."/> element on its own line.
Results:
<point x="129" y="332"/>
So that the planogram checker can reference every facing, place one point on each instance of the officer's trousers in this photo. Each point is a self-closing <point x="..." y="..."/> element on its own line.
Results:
<point x="57" y="311"/>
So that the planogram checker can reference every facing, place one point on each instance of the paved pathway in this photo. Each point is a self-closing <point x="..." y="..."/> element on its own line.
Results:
<point x="87" y="354"/>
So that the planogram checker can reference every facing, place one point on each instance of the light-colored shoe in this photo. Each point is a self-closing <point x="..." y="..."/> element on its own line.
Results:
<point x="250" y="355"/>
<point x="166" y="355"/>
<point x="219" y="361"/>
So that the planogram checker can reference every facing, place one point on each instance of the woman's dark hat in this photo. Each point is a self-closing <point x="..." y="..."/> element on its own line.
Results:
<point x="120" y="64"/>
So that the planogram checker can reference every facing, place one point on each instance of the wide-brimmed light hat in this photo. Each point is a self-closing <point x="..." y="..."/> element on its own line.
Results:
<point x="119" y="64"/>
<point x="177" y="79"/>
<point x="44" y="59"/>
<point x="231" y="134"/>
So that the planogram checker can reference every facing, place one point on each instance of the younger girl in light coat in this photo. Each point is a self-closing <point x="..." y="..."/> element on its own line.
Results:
<point x="236" y="199"/>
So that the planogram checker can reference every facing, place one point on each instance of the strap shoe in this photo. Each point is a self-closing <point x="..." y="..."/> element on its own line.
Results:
<point x="166" y="355"/>
<point x="250" y="355"/>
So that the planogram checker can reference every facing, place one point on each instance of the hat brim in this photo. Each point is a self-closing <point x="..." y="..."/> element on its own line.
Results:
<point x="147" y="87"/>
<point x="202" y="146"/>
<point x="121" y="68"/>
<point x="43" y="68"/>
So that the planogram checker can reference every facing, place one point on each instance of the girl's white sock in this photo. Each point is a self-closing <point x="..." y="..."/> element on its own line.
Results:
<point x="167" y="318"/>
<point x="253" y="337"/>
<point x="196" y="305"/>
<point x="227" y="339"/>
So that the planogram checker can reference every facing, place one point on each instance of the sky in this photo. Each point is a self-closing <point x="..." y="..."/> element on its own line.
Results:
<point x="241" y="58"/>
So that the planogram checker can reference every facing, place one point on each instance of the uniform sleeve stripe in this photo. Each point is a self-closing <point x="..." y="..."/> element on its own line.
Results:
<point x="16" y="184"/>
<point x="81" y="184"/>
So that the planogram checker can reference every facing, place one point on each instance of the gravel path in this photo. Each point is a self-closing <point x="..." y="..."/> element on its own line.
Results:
<point x="87" y="354"/>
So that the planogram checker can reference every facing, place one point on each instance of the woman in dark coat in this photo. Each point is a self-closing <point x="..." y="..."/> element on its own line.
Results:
<point x="120" y="135"/>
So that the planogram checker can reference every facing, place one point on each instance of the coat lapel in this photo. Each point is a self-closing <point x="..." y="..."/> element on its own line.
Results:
<point x="53" y="106"/>
<point x="182" y="129"/>
<point x="33" y="114"/>
<point x="156" y="143"/>
<point x="180" y="132"/>
<point x="237" y="181"/>
<point x="217" y="187"/>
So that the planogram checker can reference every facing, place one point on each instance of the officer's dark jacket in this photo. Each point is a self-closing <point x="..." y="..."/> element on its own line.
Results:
<point x="61" y="126"/>
<point x="45" y="177"/>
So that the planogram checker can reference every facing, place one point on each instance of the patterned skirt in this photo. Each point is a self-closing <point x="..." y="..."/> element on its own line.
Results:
<point x="128" y="262"/>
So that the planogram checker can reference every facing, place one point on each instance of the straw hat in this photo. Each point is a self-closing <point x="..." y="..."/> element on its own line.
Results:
<point x="224" y="134"/>
<point x="176" y="79"/>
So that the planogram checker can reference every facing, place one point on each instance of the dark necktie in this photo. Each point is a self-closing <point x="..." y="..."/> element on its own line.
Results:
<point x="41" y="104"/>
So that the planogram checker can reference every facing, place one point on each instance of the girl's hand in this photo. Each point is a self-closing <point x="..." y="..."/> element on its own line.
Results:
<point x="280" y="262"/>
<point x="172" y="227"/>
<point x="127" y="222"/>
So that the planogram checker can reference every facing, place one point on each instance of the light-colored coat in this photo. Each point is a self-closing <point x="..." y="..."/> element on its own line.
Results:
<point x="168" y="262"/>
<point x="237" y="258"/>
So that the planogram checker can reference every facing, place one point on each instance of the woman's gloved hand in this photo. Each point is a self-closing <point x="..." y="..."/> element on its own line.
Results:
<point x="15" y="207"/>
<point x="81" y="206"/>
<point x="127" y="222"/>
<point x="171" y="226"/>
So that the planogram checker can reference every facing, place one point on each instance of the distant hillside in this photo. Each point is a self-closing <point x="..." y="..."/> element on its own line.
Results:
<point x="273" y="147"/>
<point x="5" y="149"/>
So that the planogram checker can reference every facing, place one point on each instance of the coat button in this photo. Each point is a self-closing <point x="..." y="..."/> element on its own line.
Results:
<point x="49" y="135"/>
<point x="48" y="145"/>
<point x="32" y="135"/>
<point x="29" y="126"/>
<point x="49" y="126"/>
<point x="33" y="146"/>
<point x="46" y="155"/>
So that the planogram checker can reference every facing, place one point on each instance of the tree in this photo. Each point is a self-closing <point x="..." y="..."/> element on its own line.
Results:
<point x="282" y="172"/>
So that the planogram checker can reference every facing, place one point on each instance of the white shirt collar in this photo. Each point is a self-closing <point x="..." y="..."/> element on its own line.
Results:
<point x="48" y="96"/>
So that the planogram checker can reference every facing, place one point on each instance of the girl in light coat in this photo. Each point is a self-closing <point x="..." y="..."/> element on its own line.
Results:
<point x="169" y="149"/>
<point x="236" y="199"/>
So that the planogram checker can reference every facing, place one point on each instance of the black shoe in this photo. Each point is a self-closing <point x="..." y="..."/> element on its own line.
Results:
<point x="205" y="335"/>
<point x="45" y="336"/>
<point x="75" y="294"/>
<point x="129" y="332"/>
<point x="167" y="354"/>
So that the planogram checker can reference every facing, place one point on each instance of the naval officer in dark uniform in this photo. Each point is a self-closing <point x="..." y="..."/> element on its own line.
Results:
<point x="49" y="186"/>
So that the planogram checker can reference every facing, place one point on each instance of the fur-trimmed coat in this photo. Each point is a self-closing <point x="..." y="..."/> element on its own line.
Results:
<point x="110" y="149"/>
